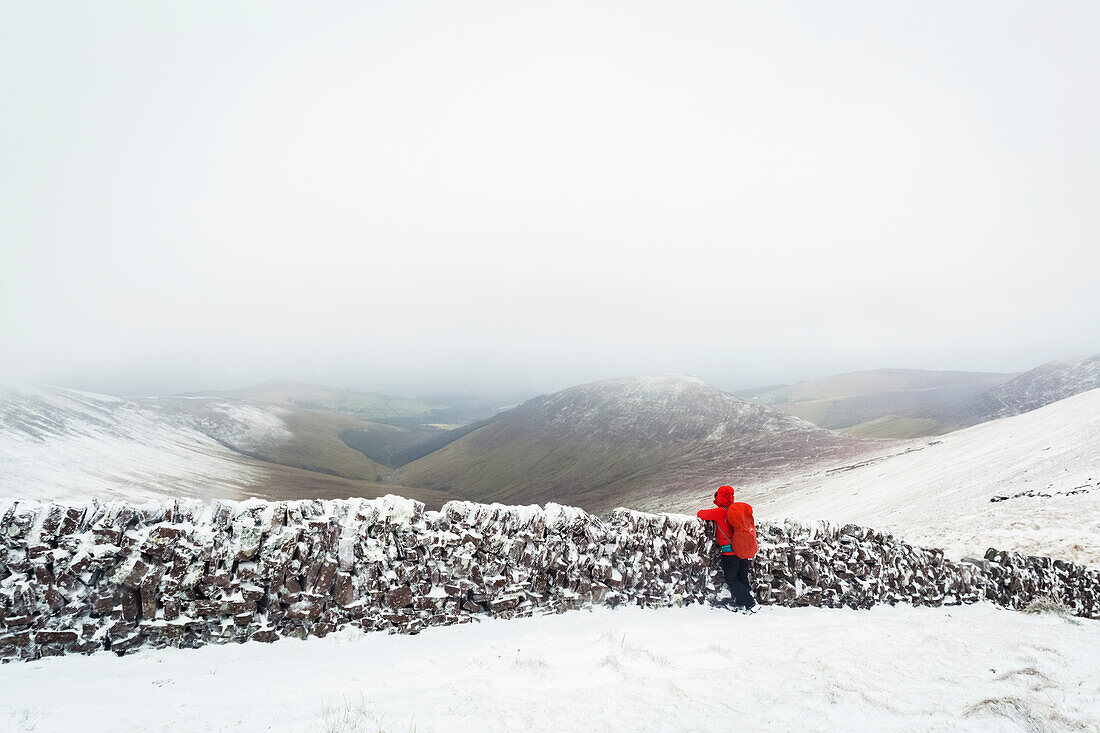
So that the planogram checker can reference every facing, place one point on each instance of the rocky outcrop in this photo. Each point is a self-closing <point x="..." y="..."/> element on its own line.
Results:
<point x="78" y="578"/>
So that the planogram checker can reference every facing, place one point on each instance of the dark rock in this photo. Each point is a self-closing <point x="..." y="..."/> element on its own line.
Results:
<point x="344" y="590"/>
<point x="503" y="603"/>
<point x="56" y="637"/>
<point x="399" y="597"/>
<point x="265" y="635"/>
<point x="127" y="644"/>
<point x="130" y="605"/>
<point x="13" y="622"/>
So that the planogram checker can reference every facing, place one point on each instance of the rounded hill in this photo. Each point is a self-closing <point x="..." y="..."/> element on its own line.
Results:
<point x="635" y="440"/>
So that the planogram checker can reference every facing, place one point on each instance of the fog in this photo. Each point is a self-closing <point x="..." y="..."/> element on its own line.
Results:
<point x="413" y="197"/>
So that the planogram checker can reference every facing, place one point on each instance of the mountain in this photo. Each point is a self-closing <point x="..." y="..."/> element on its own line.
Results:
<point x="58" y="443"/>
<point x="879" y="403"/>
<point x="638" y="441"/>
<point x="1031" y="390"/>
<point x="1029" y="482"/>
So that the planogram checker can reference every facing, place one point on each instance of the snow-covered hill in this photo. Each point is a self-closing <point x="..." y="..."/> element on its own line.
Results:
<point x="63" y="444"/>
<point x="1038" y="387"/>
<point x="971" y="668"/>
<point x="58" y="443"/>
<point x="1029" y="483"/>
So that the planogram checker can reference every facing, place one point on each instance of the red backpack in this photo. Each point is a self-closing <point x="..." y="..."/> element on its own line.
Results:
<point x="743" y="542"/>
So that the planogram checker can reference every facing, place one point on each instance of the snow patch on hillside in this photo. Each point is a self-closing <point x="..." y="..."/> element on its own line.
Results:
<point x="241" y="426"/>
<point x="974" y="668"/>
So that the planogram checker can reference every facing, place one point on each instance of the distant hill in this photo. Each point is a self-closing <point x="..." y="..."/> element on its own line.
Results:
<point x="58" y="443"/>
<point x="633" y="441"/>
<point x="361" y="434"/>
<point x="880" y="403"/>
<point x="1029" y="391"/>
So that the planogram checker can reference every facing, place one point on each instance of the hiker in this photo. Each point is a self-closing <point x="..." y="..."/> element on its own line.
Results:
<point x="737" y="541"/>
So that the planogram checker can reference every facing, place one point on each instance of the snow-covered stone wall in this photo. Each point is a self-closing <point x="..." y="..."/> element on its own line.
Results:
<point x="115" y="576"/>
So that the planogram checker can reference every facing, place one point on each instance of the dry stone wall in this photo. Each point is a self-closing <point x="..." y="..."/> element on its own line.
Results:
<point x="115" y="576"/>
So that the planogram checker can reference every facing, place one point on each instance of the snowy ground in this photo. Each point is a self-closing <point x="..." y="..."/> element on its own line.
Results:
<point x="938" y="494"/>
<point x="59" y="444"/>
<point x="976" y="668"/>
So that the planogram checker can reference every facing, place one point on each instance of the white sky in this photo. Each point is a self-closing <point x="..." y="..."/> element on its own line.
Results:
<point x="411" y="196"/>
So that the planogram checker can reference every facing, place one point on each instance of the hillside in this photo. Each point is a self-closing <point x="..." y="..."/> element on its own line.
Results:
<point x="57" y="443"/>
<point x="303" y="439"/>
<point x="636" y="441"/>
<point x="362" y="434"/>
<point x="1029" y="482"/>
<point x="1031" y="390"/>
<point x="878" y="403"/>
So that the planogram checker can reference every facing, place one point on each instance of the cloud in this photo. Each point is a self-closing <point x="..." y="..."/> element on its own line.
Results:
<point x="564" y="189"/>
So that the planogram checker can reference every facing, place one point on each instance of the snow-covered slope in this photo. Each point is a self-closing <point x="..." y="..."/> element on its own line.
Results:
<point x="61" y="444"/>
<point x="58" y="443"/>
<point x="971" y="668"/>
<point x="1031" y="390"/>
<point x="947" y="492"/>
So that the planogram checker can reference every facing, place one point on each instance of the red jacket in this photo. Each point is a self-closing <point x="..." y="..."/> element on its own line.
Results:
<point x="739" y="538"/>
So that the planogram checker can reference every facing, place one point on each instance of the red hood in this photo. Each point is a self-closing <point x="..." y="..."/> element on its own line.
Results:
<point x="725" y="496"/>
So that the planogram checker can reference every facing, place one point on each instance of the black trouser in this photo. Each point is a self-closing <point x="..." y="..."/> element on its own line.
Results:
<point x="736" y="571"/>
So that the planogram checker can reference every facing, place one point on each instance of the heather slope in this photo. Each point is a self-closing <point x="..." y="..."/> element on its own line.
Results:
<point x="627" y="441"/>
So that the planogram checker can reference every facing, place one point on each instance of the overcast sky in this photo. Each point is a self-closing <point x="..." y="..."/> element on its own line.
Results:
<point x="414" y="196"/>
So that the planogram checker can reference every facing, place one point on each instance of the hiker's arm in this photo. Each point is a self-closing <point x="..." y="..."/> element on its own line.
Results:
<point x="711" y="515"/>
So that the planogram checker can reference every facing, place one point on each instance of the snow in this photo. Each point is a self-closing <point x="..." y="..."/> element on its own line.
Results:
<point x="239" y="425"/>
<point x="937" y="492"/>
<point x="62" y="444"/>
<point x="973" y="668"/>
<point x="1041" y="386"/>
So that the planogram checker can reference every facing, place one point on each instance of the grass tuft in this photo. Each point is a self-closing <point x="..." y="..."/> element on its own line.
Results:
<point x="348" y="717"/>
<point x="1053" y="607"/>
